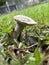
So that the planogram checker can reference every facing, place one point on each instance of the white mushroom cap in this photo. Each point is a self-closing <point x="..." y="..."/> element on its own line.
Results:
<point x="24" y="20"/>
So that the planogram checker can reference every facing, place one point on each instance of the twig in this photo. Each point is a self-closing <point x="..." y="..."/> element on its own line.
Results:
<point x="31" y="46"/>
<point x="27" y="47"/>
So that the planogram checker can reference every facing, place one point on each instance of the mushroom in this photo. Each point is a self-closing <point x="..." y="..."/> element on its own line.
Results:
<point x="21" y="22"/>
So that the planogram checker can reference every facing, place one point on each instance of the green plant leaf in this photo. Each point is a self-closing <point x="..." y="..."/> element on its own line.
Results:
<point x="37" y="56"/>
<point x="15" y="62"/>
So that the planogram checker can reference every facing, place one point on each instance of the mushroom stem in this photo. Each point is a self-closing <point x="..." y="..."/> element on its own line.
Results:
<point x="18" y="29"/>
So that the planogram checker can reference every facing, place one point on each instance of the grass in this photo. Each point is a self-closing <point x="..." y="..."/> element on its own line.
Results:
<point x="39" y="13"/>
